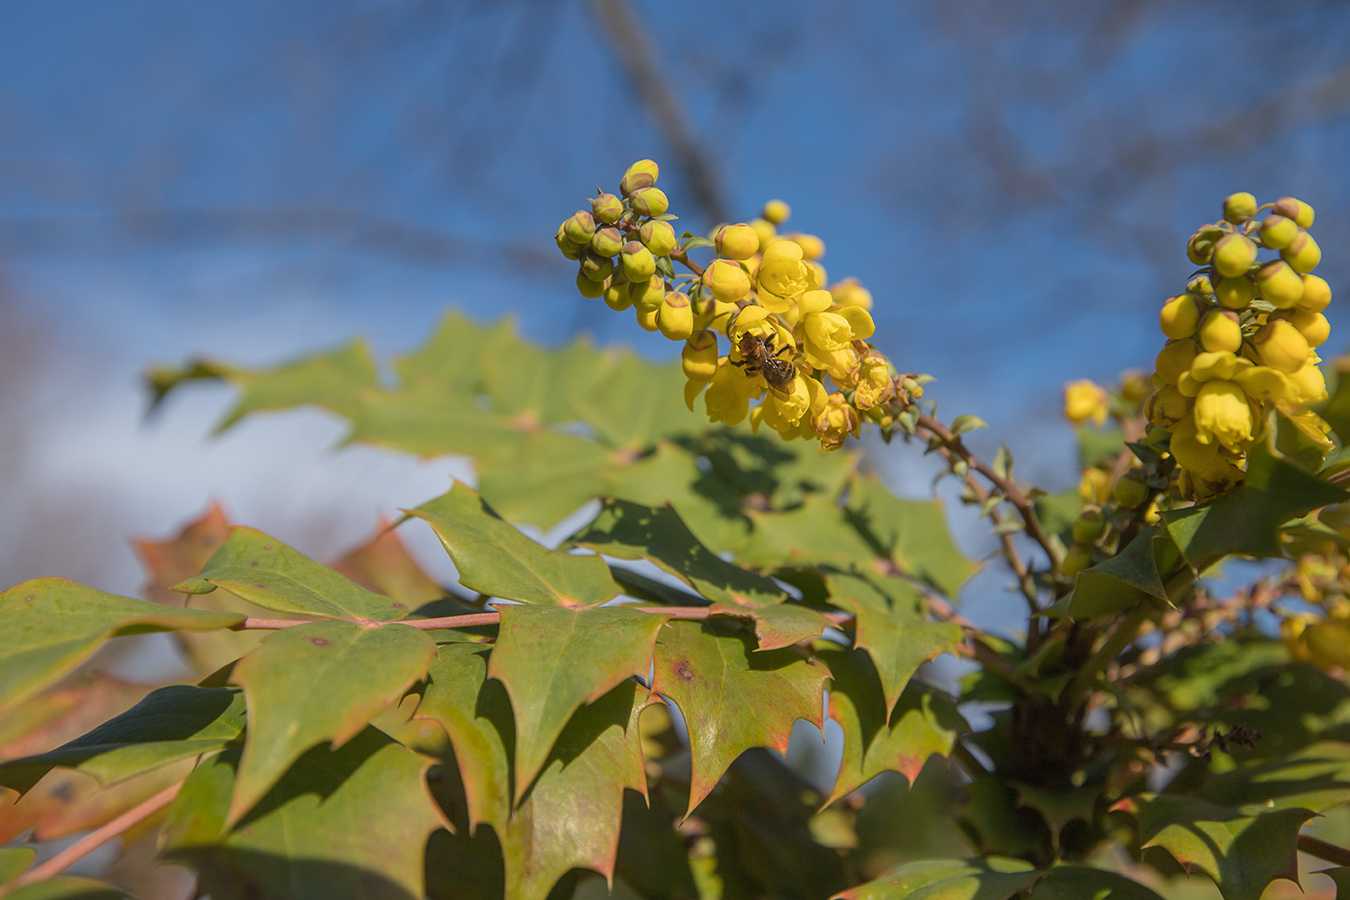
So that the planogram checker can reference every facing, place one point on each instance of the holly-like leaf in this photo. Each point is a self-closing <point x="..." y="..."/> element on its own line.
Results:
<point x="451" y="356"/>
<point x="652" y="856"/>
<point x="989" y="878"/>
<point x="345" y="824"/>
<point x="552" y="660"/>
<point x="170" y="724"/>
<point x="1241" y="854"/>
<point x="1081" y="882"/>
<point x="321" y="681"/>
<point x="1316" y="778"/>
<point x="67" y="887"/>
<point x="330" y="380"/>
<point x="1341" y="876"/>
<point x="267" y="573"/>
<point x="537" y="386"/>
<point x="543" y="477"/>
<point x="900" y="643"/>
<point x="911" y="533"/>
<point x="881" y="736"/>
<point x="383" y="565"/>
<point x="636" y="403"/>
<point x="816" y="533"/>
<point x="629" y="531"/>
<point x="495" y="559"/>
<point x="1131" y="577"/>
<point x="429" y="418"/>
<point x="778" y="626"/>
<point x="52" y="625"/>
<point x="733" y="698"/>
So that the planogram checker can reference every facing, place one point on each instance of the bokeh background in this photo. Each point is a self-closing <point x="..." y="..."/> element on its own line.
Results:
<point x="1015" y="182"/>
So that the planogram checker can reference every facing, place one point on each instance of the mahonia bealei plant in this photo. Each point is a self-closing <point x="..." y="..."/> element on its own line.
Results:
<point x="797" y="345"/>
<point x="1243" y="341"/>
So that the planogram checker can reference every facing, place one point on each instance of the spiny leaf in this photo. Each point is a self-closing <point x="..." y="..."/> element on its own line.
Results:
<point x="543" y="477"/>
<point x="1316" y="778"/>
<point x="1240" y="853"/>
<point x="911" y="533"/>
<point x="636" y="403"/>
<point x="778" y="626"/>
<point x="495" y="559"/>
<point x="990" y="878"/>
<point x="345" y="824"/>
<point x="880" y="736"/>
<point x="428" y="418"/>
<point x="170" y="724"/>
<point x="817" y="532"/>
<point x="52" y="625"/>
<point x="731" y="697"/>
<point x="450" y="357"/>
<point x="332" y="380"/>
<point x="552" y="660"/>
<point x="267" y="573"/>
<point x="630" y="531"/>
<point x="322" y="681"/>
<point x="1081" y="883"/>
<point x="537" y="386"/>
<point x="1135" y="574"/>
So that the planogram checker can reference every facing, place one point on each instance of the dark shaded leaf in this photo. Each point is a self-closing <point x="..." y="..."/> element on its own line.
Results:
<point x="990" y="878"/>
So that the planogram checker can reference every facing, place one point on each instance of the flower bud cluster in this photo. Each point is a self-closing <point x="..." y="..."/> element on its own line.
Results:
<point x="797" y="346"/>
<point x="1242" y="340"/>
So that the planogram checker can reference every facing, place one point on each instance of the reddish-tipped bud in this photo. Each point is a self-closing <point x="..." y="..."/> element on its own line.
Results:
<point x="675" y="318"/>
<point x="658" y="237"/>
<point x="607" y="241"/>
<point x="1293" y="208"/>
<point x="1235" y="293"/>
<point x="1180" y="316"/>
<point x="565" y="245"/>
<point x="1280" y="284"/>
<point x="1201" y="285"/>
<point x="1238" y="208"/>
<point x="699" y="357"/>
<point x="726" y="280"/>
<point x="607" y="208"/>
<point x="595" y="267"/>
<point x="1278" y="232"/>
<point x="1200" y="248"/>
<point x="649" y="201"/>
<point x="736" y="241"/>
<point x="1303" y="254"/>
<point x="641" y="174"/>
<point x="1220" y="331"/>
<point x="638" y="262"/>
<point x="580" y="228"/>
<point x="616" y="296"/>
<point x="1234" y="254"/>
<point x="588" y="288"/>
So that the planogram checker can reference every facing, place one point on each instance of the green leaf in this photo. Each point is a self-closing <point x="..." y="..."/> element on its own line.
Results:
<point x="990" y="878"/>
<point x="543" y="477"/>
<point x="880" y="736"/>
<point x="962" y="424"/>
<point x="267" y="573"/>
<point x="536" y="386"/>
<point x="911" y="533"/>
<point x="52" y="625"/>
<point x="1316" y="778"/>
<point x="331" y="380"/>
<point x="1083" y="883"/>
<point x="553" y="660"/>
<point x="1136" y="573"/>
<point x="1056" y="513"/>
<point x="14" y="861"/>
<point x="899" y="644"/>
<point x="815" y="533"/>
<point x="170" y="724"/>
<point x="778" y="626"/>
<point x="711" y="672"/>
<point x="495" y="559"/>
<point x="1241" y="854"/>
<point x="652" y="856"/>
<point x="1097" y="445"/>
<point x="430" y="418"/>
<point x="322" y="681"/>
<point x="695" y="242"/>
<point x="1341" y="876"/>
<point x="636" y="403"/>
<point x="451" y="356"/>
<point x="67" y="887"/>
<point x="629" y="531"/>
<point x="345" y="824"/>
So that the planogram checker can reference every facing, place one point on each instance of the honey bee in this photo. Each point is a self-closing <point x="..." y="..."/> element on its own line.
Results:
<point x="758" y="355"/>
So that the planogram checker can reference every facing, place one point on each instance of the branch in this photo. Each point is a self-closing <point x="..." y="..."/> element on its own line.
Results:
<point x="1322" y="850"/>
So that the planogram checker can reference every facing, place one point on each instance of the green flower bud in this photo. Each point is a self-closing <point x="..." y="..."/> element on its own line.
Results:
<point x="649" y="201"/>
<point x="1089" y="527"/>
<point x="607" y="241"/>
<point x="1281" y="346"/>
<point x="1220" y="331"/>
<point x="1235" y="293"/>
<point x="1316" y="294"/>
<point x="1303" y="254"/>
<point x="641" y="174"/>
<point x="1201" y="285"/>
<point x="638" y="262"/>
<point x="1238" y="208"/>
<point x="590" y="289"/>
<point x="1278" y="232"/>
<point x="596" y="268"/>
<point x="658" y="237"/>
<point x="1280" y="284"/>
<point x="675" y="318"/>
<point x="607" y="208"/>
<point x="1200" y="248"/>
<point x="699" y="357"/>
<point x="580" y="228"/>
<point x="1180" y="315"/>
<point x="646" y="293"/>
<point x="1130" y="490"/>
<point x="776" y="212"/>
<point x="568" y="249"/>
<point x="1234" y="254"/>
<point x="616" y="295"/>
<point x="736" y="241"/>
<point x="1293" y="208"/>
<point x="1076" y="560"/>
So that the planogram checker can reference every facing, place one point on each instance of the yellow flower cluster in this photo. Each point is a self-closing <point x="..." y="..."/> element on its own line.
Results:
<point x="1322" y="639"/>
<point x="1242" y="340"/>
<point x="797" y="345"/>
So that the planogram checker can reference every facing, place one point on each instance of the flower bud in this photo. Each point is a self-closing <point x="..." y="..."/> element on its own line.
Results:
<point x="1293" y="208"/>
<point x="1219" y="365"/>
<point x="1083" y="400"/>
<point x="1235" y="293"/>
<point x="699" y="356"/>
<point x="1200" y="248"/>
<point x="1167" y="407"/>
<point x="1281" y="346"/>
<point x="1094" y="486"/>
<point x="1280" y="284"/>
<point x="1278" y="232"/>
<point x="776" y="212"/>
<point x="567" y="248"/>
<point x="607" y="208"/>
<point x="1316" y="293"/>
<point x="1076" y="560"/>
<point x="676" y="316"/>
<point x="726" y="280"/>
<point x="649" y="201"/>
<point x="1175" y="358"/>
<point x="1221" y="332"/>
<point x="1201" y="285"/>
<point x="1234" y="254"/>
<point x="658" y="237"/>
<point x="641" y="174"/>
<point x="850" y="292"/>
<point x="1313" y="326"/>
<point x="588" y="288"/>
<point x="616" y="296"/>
<point x="638" y="262"/>
<point x="1311" y="384"/>
<point x="737" y="241"/>
<point x="596" y="268"/>
<point x="1130" y="490"/>
<point x="1267" y="384"/>
<point x="1238" y="208"/>
<point x="580" y="228"/>
<point x="1180" y="315"/>
<point x="765" y="231"/>
<point x="647" y="316"/>
<point x="1223" y="413"/>
<point x="647" y="293"/>
<point x="608" y="241"/>
<point x="812" y="246"/>
<point x="1089" y="527"/>
<point x="1328" y="644"/>
<point x="1303" y="254"/>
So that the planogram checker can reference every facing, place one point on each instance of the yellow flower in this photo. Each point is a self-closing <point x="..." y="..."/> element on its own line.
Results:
<point x="828" y="334"/>
<point x="725" y="399"/>
<point x="782" y="272"/>
<point x="1222" y="413"/>
<point x="783" y="410"/>
<point x="850" y="292"/>
<point x="1083" y="400"/>
<point x="1267" y="384"/>
<point x="1281" y="346"/>
<point x="835" y="422"/>
<point x="1094" y="486"/>
<point x="1311" y="383"/>
<point x="873" y="379"/>
<point x="726" y="280"/>
<point x="699" y="357"/>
